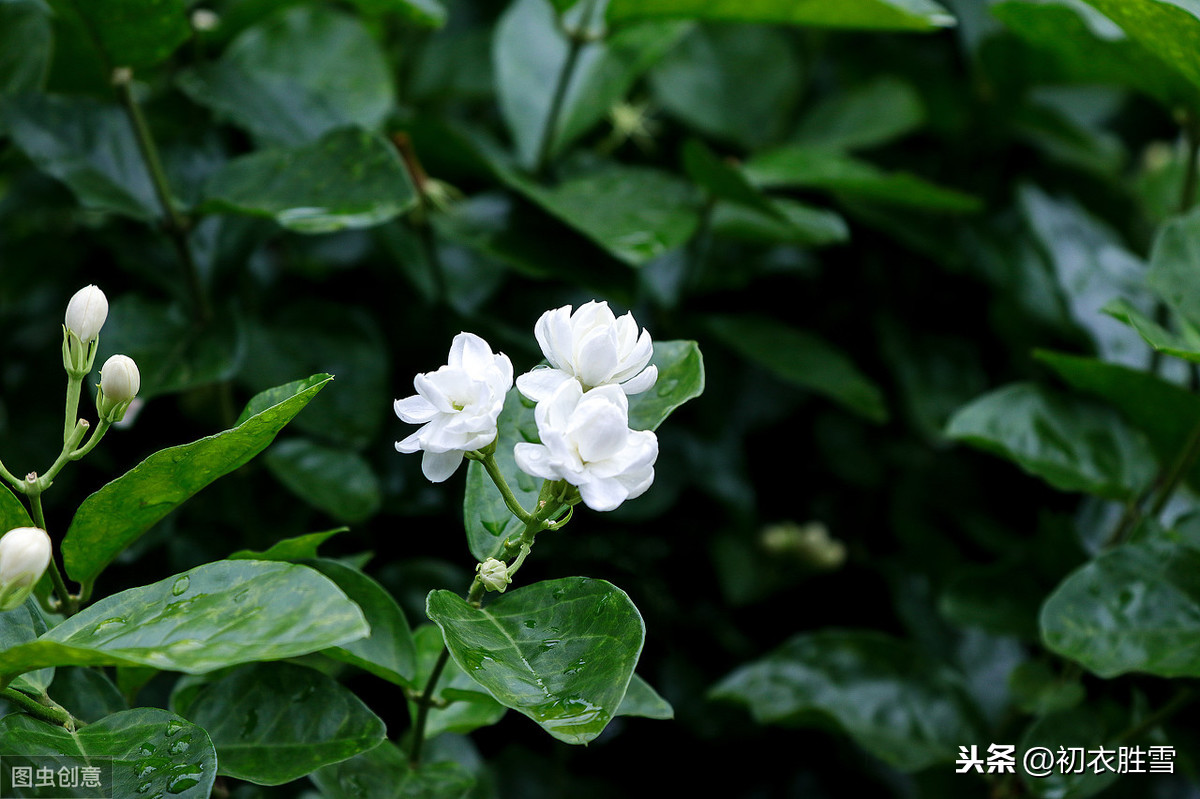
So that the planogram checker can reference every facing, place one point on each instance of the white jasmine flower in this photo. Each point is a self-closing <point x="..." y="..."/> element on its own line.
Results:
<point x="493" y="574"/>
<point x="592" y="346"/>
<point x="586" y="441"/>
<point x="24" y="556"/>
<point x="457" y="405"/>
<point x="120" y="382"/>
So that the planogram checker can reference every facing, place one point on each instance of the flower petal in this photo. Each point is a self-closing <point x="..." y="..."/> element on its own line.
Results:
<point x="540" y="383"/>
<point x="438" y="466"/>
<point x="644" y="381"/>
<point x="415" y="409"/>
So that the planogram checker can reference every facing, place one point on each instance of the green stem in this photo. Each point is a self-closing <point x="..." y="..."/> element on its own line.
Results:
<point x="1181" y="699"/>
<point x="71" y="416"/>
<point x="101" y="429"/>
<point x="576" y="39"/>
<point x="1179" y="469"/>
<point x="174" y="223"/>
<point x="424" y="702"/>
<point x="510" y="499"/>
<point x="15" y="481"/>
<point x="53" y="712"/>
<point x="67" y="604"/>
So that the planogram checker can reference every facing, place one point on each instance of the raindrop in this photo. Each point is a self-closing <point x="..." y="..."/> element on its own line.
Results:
<point x="181" y="585"/>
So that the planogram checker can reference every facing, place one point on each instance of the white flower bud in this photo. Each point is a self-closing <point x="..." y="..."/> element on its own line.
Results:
<point x="493" y="574"/>
<point x="86" y="313"/>
<point x="119" y="384"/>
<point x="24" y="556"/>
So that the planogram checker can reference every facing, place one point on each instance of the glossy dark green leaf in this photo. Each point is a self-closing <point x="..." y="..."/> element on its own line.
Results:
<point x="88" y="693"/>
<point x="430" y="13"/>
<point x="900" y="15"/>
<point x="152" y="751"/>
<point x="723" y="180"/>
<point x="1163" y="411"/>
<point x="1181" y="342"/>
<point x="1040" y="690"/>
<point x="1071" y="444"/>
<point x="1092" y="266"/>
<point x="530" y="51"/>
<point x="886" y="694"/>
<point x="635" y="213"/>
<point x="642" y="700"/>
<point x="468" y="707"/>
<point x="132" y="33"/>
<point x="337" y="481"/>
<point x="1174" y="272"/>
<point x="1132" y="609"/>
<point x="388" y="651"/>
<point x="803" y="224"/>
<point x="384" y="773"/>
<point x="12" y="511"/>
<point x="562" y="652"/>
<point x="349" y="178"/>
<point x="275" y="722"/>
<point x="261" y="86"/>
<point x="1168" y="28"/>
<point x="869" y="115"/>
<point x="301" y="547"/>
<point x="680" y="378"/>
<point x="86" y="144"/>
<point x="1081" y="727"/>
<point x="20" y="626"/>
<point x="122" y="511"/>
<point x="803" y="166"/>
<point x="217" y="615"/>
<point x="25" y="45"/>
<point x="1084" y="46"/>
<point x="802" y="359"/>
<point x="738" y="83"/>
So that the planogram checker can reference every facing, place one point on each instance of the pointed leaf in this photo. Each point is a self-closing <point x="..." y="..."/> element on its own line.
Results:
<point x="900" y="15"/>
<point x="562" y="652"/>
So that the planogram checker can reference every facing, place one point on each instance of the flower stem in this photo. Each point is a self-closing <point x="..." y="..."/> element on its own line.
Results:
<point x="577" y="38"/>
<point x="52" y="712"/>
<point x="510" y="500"/>
<point x="71" y="416"/>
<point x="424" y="702"/>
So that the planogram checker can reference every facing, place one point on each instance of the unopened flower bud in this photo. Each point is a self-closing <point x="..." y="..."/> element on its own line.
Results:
<point x="494" y="575"/>
<point x="24" y="556"/>
<point x="810" y="543"/>
<point x="119" y="384"/>
<point x="204" y="20"/>
<point x="86" y="313"/>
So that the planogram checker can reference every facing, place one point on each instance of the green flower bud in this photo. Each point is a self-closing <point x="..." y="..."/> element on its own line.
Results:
<point x="119" y="384"/>
<point x="494" y="575"/>
<point x="24" y="556"/>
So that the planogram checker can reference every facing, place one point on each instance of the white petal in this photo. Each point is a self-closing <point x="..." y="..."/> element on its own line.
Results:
<point x="473" y="354"/>
<point x="642" y="382"/>
<point x="596" y="357"/>
<point x="599" y="430"/>
<point x="415" y="409"/>
<point x="410" y="444"/>
<point x="437" y="466"/>
<point x="534" y="459"/>
<point x="553" y="332"/>
<point x="540" y="383"/>
<point x="603" y="495"/>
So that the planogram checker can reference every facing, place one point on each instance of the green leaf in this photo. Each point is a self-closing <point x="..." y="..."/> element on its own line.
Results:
<point x="430" y="13"/>
<point x="1083" y="46"/>
<point x="261" y="86"/>
<point x="1168" y="28"/>
<point x="562" y="652"/>
<point x="642" y="700"/>
<point x="88" y="693"/>
<point x="1071" y="444"/>
<point x="216" y="615"/>
<point x="1163" y="411"/>
<point x="899" y="15"/>
<point x="1174" y="273"/>
<point x="805" y="225"/>
<point x="384" y="773"/>
<point x="680" y="378"/>
<point x="468" y="707"/>
<point x="1183" y="344"/>
<point x="388" y="651"/>
<point x="804" y="166"/>
<point x="1135" y="608"/>
<point x="724" y="180"/>
<point x="86" y="144"/>
<point x="1081" y="727"/>
<point x="26" y="39"/>
<point x="337" y="481"/>
<point x="275" y="722"/>
<point x="1040" y="690"/>
<point x="869" y="115"/>
<point x="530" y="51"/>
<point x="12" y="511"/>
<point x="801" y="359"/>
<point x="132" y="33"/>
<point x="635" y="213"/>
<point x="20" y="626"/>
<point x="301" y="547"/>
<point x="152" y="751"/>
<point x="348" y="178"/>
<point x="749" y="106"/>
<point x="895" y="702"/>
<point x="122" y="511"/>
